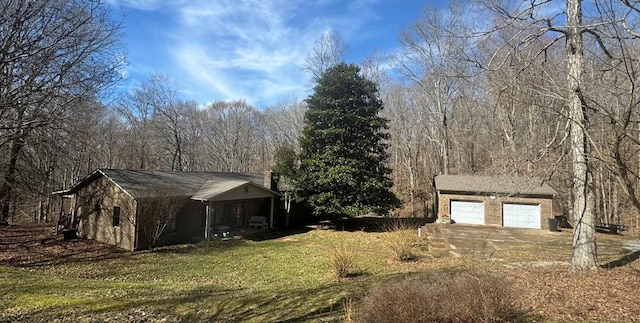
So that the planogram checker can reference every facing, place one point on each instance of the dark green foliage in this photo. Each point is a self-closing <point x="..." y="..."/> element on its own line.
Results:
<point x="343" y="152"/>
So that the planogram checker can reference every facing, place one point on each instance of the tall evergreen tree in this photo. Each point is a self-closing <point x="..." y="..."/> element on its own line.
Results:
<point x="343" y="151"/>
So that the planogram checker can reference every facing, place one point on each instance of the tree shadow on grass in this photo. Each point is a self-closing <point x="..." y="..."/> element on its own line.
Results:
<point x="376" y="224"/>
<point x="16" y="234"/>
<point x="32" y="246"/>
<point x="200" y="304"/>
<point x="324" y="302"/>
<point x="276" y="233"/>
<point x="200" y="247"/>
<point x="624" y="260"/>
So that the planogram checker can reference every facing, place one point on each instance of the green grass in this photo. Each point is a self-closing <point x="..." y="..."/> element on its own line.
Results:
<point x="286" y="279"/>
<point x="271" y="280"/>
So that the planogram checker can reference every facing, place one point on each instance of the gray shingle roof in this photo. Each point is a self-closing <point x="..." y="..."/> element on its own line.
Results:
<point x="136" y="182"/>
<point x="213" y="188"/>
<point x="493" y="184"/>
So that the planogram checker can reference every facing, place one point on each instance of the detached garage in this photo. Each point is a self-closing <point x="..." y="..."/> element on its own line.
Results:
<point x="519" y="202"/>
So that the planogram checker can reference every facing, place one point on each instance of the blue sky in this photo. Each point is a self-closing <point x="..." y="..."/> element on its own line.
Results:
<point x="251" y="49"/>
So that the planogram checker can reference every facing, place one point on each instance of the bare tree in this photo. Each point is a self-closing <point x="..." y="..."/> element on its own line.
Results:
<point x="159" y="120"/>
<point x="614" y="112"/>
<point x="329" y="50"/>
<point x="231" y="133"/>
<point x="523" y="113"/>
<point x="137" y="112"/>
<point x="409" y="144"/>
<point x="529" y="22"/>
<point x="170" y="115"/>
<point x="584" y="240"/>
<point x="158" y="206"/>
<point x="283" y="123"/>
<point x="54" y="57"/>
<point x="430" y="59"/>
<point x="373" y="65"/>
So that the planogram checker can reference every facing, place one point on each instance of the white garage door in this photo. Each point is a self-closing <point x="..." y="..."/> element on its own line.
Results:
<point x="467" y="212"/>
<point x="521" y="215"/>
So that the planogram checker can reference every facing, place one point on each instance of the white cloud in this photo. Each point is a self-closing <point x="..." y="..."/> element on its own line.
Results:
<point x="245" y="49"/>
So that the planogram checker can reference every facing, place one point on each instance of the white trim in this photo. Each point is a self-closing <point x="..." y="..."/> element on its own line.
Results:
<point x="207" y="221"/>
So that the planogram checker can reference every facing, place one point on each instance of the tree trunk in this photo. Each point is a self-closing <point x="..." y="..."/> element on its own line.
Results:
<point x="10" y="178"/>
<point x="412" y="188"/>
<point x="584" y="255"/>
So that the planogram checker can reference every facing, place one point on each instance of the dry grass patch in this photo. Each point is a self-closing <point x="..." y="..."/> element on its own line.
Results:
<point x="466" y="296"/>
<point x="402" y="240"/>
<point x="343" y="262"/>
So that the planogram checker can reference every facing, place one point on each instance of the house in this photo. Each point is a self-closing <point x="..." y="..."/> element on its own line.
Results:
<point x="106" y="205"/>
<point x="520" y="202"/>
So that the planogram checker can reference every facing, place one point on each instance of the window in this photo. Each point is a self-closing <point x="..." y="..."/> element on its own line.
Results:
<point x="172" y="225"/>
<point x="116" y="216"/>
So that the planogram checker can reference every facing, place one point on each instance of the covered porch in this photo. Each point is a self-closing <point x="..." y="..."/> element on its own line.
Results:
<point x="235" y="207"/>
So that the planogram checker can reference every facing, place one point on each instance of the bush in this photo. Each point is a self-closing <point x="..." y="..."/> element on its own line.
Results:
<point x="401" y="239"/>
<point x="442" y="297"/>
<point x="342" y="261"/>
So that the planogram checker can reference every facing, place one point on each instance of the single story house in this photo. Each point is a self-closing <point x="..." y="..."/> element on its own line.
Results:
<point x="106" y="205"/>
<point x="520" y="202"/>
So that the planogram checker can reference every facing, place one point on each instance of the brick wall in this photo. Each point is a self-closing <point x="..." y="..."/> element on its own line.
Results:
<point x="493" y="206"/>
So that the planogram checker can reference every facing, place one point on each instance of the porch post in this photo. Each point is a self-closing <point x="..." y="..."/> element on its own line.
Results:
<point x="271" y="213"/>
<point x="74" y="211"/>
<point x="60" y="214"/>
<point x="207" y="223"/>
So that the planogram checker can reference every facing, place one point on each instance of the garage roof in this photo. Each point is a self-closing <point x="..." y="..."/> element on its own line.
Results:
<point x="493" y="184"/>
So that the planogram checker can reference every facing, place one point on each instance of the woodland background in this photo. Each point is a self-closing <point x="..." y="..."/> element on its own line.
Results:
<point x="458" y="102"/>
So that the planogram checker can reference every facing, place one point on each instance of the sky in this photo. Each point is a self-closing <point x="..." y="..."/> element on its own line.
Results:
<point x="251" y="50"/>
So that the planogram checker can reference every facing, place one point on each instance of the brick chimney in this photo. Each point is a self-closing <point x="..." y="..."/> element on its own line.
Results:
<point x="269" y="180"/>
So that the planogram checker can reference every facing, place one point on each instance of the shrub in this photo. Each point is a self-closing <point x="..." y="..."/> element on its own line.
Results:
<point x="401" y="240"/>
<point x="442" y="297"/>
<point x="342" y="261"/>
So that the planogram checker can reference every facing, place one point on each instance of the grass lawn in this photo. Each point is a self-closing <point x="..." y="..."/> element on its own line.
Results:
<point x="283" y="279"/>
